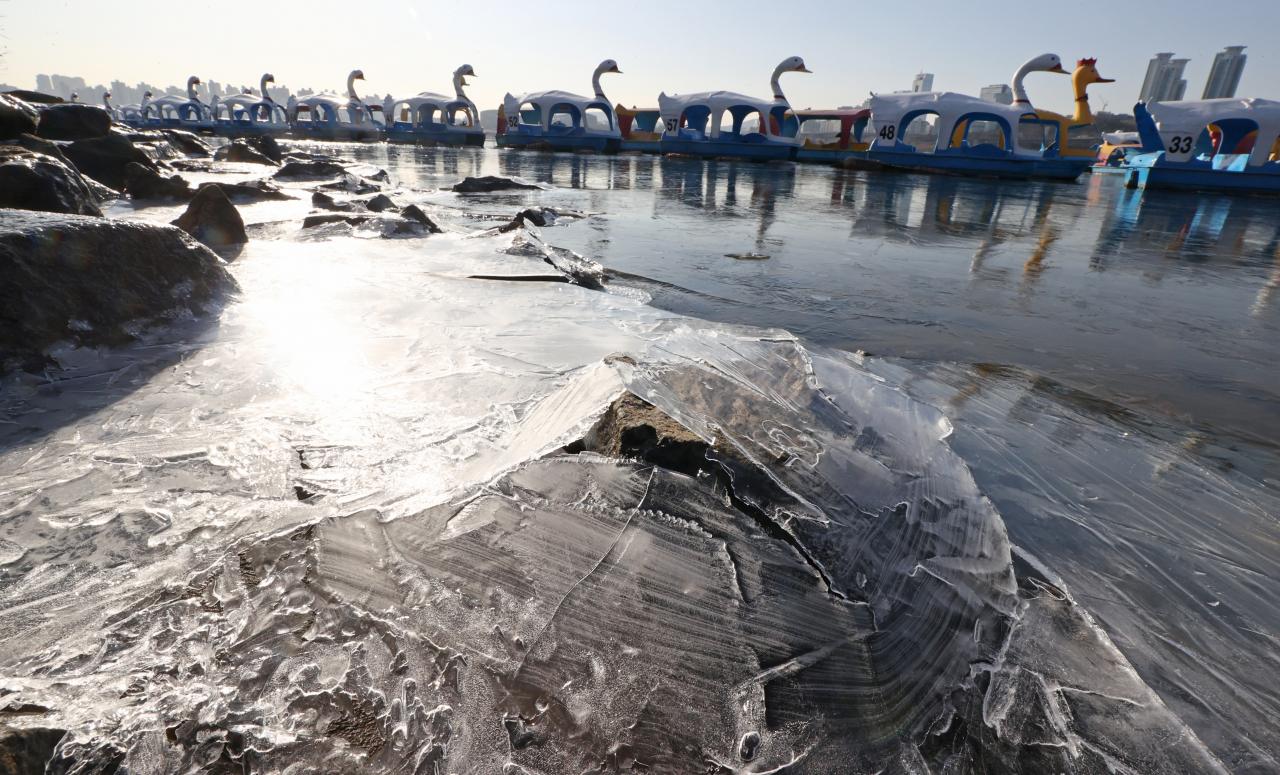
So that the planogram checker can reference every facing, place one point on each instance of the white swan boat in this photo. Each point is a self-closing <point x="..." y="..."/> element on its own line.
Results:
<point x="249" y="114"/>
<point x="328" y="116"/>
<point x="172" y="112"/>
<point x="971" y="136"/>
<point x="1230" y="145"/>
<point x="431" y="118"/>
<point x="724" y="124"/>
<point x="132" y="114"/>
<point x="563" y="121"/>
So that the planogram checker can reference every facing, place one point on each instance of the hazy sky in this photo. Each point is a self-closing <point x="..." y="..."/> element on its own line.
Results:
<point x="408" y="46"/>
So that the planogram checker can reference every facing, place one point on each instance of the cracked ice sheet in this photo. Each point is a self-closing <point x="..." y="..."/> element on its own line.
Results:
<point x="176" y="604"/>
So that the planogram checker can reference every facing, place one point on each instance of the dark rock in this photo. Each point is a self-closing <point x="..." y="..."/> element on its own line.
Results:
<point x="488" y="183"/>
<point x="27" y="751"/>
<point x="252" y="191"/>
<point x="187" y="142"/>
<point x="310" y="169"/>
<point x="323" y="201"/>
<point x="632" y="428"/>
<point x="41" y="145"/>
<point x="381" y="176"/>
<point x="105" y="159"/>
<point x="33" y="181"/>
<point x="414" y="213"/>
<point x="88" y="281"/>
<point x="15" y="123"/>
<point x="36" y="97"/>
<point x="73" y="122"/>
<point x="145" y="183"/>
<point x="380" y="203"/>
<point x="319" y="220"/>
<point x="239" y="152"/>
<point x="212" y="219"/>
<point x="267" y="146"/>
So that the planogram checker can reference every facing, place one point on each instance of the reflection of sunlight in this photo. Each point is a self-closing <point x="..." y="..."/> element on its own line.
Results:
<point x="306" y="339"/>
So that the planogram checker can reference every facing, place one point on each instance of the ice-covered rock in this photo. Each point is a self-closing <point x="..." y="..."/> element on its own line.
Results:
<point x="106" y="159"/>
<point x="33" y="181"/>
<point x="73" y="122"/>
<point x="90" y="281"/>
<point x="212" y="219"/>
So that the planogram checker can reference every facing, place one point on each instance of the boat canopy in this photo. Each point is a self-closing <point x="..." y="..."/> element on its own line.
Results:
<point x="638" y="123"/>
<point x="891" y="114"/>
<point x="171" y="108"/>
<point x="1214" y="127"/>
<point x="546" y="106"/>
<point x="426" y="108"/>
<point x="329" y="108"/>
<point x="248" y="107"/>
<point x="845" y="128"/>
<point x="692" y="113"/>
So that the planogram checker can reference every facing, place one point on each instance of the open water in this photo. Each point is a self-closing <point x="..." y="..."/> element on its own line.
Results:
<point x="1078" y="374"/>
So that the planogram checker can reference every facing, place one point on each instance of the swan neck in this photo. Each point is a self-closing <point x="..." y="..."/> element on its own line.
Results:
<point x="351" y="88"/>
<point x="777" y="87"/>
<point x="1020" y="93"/>
<point x="263" y="84"/>
<point x="595" y="84"/>
<point x="457" y="86"/>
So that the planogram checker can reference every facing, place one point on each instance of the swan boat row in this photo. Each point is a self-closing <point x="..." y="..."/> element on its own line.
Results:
<point x="424" y="117"/>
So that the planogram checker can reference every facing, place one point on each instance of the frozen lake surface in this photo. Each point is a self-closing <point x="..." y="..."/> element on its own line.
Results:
<point x="1035" y="530"/>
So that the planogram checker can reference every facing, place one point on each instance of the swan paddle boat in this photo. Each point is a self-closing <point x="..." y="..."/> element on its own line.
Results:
<point x="721" y="124"/>
<point x="132" y="114"/>
<point x="1075" y="141"/>
<point x="974" y="137"/>
<point x="831" y="136"/>
<point x="328" y="116"/>
<point x="1229" y="145"/>
<point x="561" y="121"/>
<point x="639" y="128"/>
<point x="247" y="114"/>
<point x="431" y="118"/>
<point x="172" y="112"/>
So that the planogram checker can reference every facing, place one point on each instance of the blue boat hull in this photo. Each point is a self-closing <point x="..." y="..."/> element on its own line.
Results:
<point x="714" y="150"/>
<point x="1063" y="168"/>
<point x="475" y="139"/>
<point x="1153" y="172"/>
<point x="336" y="134"/>
<point x="562" y="142"/>
<point x="251" y="130"/>
<point x="827" y="156"/>
<point x="644" y="146"/>
<point x="1010" y="168"/>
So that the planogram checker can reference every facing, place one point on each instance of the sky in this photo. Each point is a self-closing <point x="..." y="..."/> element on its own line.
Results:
<point x="405" y="46"/>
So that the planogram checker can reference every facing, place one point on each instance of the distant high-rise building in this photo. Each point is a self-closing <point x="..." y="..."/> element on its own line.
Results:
<point x="997" y="92"/>
<point x="923" y="82"/>
<point x="1164" y="81"/>
<point x="1225" y="74"/>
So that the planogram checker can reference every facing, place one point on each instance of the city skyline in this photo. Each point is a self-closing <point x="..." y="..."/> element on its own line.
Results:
<point x="419" y="47"/>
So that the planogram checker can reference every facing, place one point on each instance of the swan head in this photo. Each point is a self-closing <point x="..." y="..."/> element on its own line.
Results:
<point x="608" y="66"/>
<point x="148" y="95"/>
<point x="268" y="78"/>
<point x="74" y="96"/>
<point x="356" y="75"/>
<point x="1086" y="73"/>
<point x="461" y="74"/>
<point x="193" y="81"/>
<point x="792" y="65"/>
<point x="1045" y="63"/>
<point x="106" y="95"/>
